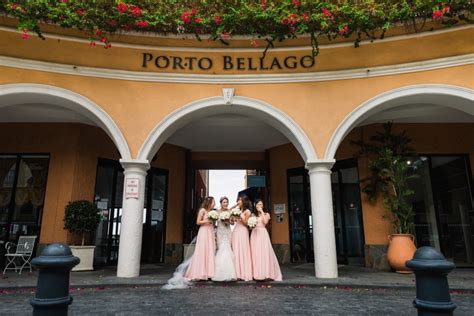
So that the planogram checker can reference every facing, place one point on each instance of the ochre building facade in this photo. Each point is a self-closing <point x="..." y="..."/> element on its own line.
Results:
<point x="79" y="122"/>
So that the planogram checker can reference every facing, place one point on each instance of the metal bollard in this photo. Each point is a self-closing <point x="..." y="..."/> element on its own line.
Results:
<point x="432" y="290"/>
<point x="52" y="290"/>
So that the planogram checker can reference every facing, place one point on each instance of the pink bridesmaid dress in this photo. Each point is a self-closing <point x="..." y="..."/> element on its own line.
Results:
<point x="241" y="249"/>
<point x="264" y="261"/>
<point x="202" y="261"/>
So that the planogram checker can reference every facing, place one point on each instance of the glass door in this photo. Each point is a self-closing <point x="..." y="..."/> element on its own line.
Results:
<point x="348" y="212"/>
<point x="108" y="199"/>
<point x="153" y="246"/>
<point x="443" y="205"/>
<point x="299" y="209"/>
<point x="22" y="190"/>
<point x="452" y="196"/>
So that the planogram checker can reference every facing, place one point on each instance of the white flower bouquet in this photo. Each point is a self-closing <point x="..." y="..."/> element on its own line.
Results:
<point x="224" y="217"/>
<point x="213" y="215"/>
<point x="235" y="212"/>
<point x="252" y="222"/>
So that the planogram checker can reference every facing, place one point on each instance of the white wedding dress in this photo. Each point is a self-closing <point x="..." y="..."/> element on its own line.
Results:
<point x="224" y="261"/>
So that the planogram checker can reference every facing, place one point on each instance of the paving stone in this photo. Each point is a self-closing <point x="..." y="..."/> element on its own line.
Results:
<point x="233" y="299"/>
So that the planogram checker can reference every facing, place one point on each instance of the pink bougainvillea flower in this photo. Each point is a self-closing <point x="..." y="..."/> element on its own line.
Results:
<point x="305" y="17"/>
<point x="296" y="3"/>
<point x="263" y="4"/>
<point x="25" y="35"/>
<point x="344" y="30"/>
<point x="136" y="11"/>
<point x="218" y="19"/>
<point x="186" y="17"/>
<point x="293" y="19"/>
<point x="194" y="11"/>
<point x="437" y="14"/>
<point x="122" y="7"/>
<point x="326" y="12"/>
<point x="197" y="20"/>
<point x="142" y="24"/>
<point x="446" y="9"/>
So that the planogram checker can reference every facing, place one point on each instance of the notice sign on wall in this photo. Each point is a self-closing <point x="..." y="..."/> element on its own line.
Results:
<point x="132" y="187"/>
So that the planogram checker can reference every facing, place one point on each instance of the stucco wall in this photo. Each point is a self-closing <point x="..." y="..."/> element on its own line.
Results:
<point x="74" y="150"/>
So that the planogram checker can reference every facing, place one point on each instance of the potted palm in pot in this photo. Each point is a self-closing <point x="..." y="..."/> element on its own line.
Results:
<point x="82" y="217"/>
<point x="391" y="165"/>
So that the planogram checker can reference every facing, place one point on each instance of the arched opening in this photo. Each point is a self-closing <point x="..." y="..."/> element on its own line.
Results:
<point x="209" y="134"/>
<point x="240" y="105"/>
<point x="439" y="120"/>
<point x="51" y="143"/>
<point x="244" y="135"/>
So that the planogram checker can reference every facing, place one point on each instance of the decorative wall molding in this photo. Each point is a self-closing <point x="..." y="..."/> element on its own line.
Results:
<point x="237" y="78"/>
<point x="228" y="95"/>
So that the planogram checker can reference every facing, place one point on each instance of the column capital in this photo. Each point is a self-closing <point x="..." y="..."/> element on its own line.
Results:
<point x="320" y="165"/>
<point x="135" y="165"/>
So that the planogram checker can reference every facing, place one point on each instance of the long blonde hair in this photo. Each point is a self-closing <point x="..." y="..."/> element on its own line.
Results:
<point x="207" y="202"/>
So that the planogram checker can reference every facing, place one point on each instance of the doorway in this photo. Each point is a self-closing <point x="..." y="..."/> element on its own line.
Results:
<point x="108" y="198"/>
<point x="299" y="206"/>
<point x="347" y="214"/>
<point x="443" y="205"/>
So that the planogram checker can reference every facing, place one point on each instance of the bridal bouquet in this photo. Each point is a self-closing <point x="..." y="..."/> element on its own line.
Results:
<point x="252" y="222"/>
<point x="213" y="215"/>
<point x="224" y="217"/>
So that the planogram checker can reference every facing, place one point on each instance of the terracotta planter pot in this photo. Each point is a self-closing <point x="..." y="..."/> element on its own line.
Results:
<point x="400" y="249"/>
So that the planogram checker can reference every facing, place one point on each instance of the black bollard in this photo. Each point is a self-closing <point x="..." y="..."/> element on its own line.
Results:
<point x="52" y="291"/>
<point x="432" y="290"/>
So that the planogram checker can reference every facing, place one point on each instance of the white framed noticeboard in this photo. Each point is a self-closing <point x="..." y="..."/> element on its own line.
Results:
<point x="132" y="188"/>
<point x="279" y="208"/>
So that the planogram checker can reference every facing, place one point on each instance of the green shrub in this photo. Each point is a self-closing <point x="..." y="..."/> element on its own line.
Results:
<point x="81" y="217"/>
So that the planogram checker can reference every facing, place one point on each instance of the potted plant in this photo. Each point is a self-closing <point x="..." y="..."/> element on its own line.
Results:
<point x="391" y="165"/>
<point x="82" y="217"/>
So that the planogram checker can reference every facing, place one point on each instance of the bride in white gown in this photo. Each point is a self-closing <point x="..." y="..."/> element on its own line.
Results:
<point x="224" y="261"/>
<point x="224" y="265"/>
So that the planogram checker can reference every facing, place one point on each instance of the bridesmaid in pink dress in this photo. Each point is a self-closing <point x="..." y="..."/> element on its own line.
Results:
<point x="264" y="261"/>
<point x="202" y="261"/>
<point x="241" y="243"/>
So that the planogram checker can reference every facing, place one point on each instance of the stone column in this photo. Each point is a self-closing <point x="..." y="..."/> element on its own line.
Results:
<point x="324" y="238"/>
<point x="131" y="227"/>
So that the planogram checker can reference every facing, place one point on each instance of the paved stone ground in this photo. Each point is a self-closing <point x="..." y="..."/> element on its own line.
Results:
<point x="293" y="274"/>
<point x="232" y="299"/>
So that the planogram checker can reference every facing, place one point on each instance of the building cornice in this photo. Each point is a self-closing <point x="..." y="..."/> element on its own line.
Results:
<point x="117" y="74"/>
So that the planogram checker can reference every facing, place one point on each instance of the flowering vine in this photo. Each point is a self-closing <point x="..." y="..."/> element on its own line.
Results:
<point x="265" y="21"/>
